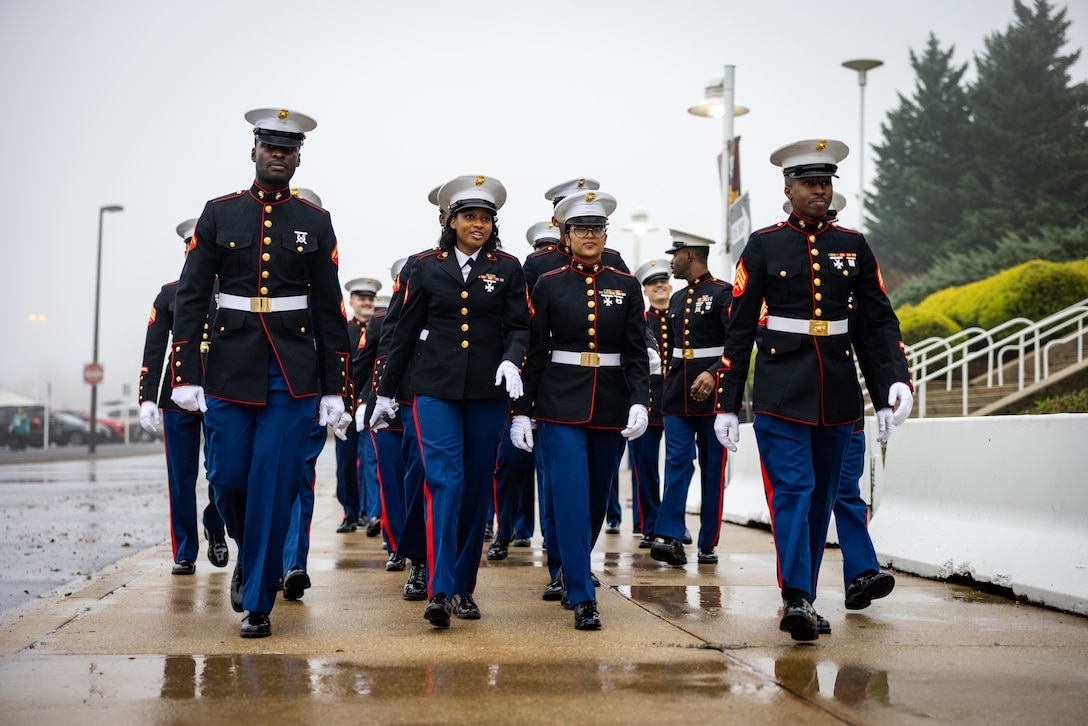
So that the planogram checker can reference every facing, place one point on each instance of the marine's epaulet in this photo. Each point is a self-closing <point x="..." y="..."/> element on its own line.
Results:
<point x="773" y="228"/>
<point x="556" y="271"/>
<point x="618" y="271"/>
<point x="428" y="253"/>
<point x="232" y="195"/>
<point x="170" y="284"/>
<point x="501" y="253"/>
<point x="839" y="228"/>
<point x="543" y="250"/>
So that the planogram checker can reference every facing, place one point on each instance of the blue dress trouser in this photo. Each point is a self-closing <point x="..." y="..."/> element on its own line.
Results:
<point x="581" y="462"/>
<point x="390" y="470"/>
<point x="852" y="515"/>
<point x="685" y="438"/>
<point x="256" y="463"/>
<point x="547" y="523"/>
<point x="181" y="440"/>
<point x="370" y="502"/>
<point x="613" y="508"/>
<point x="348" y="476"/>
<point x="413" y="538"/>
<point x="803" y="467"/>
<point x="513" y="490"/>
<point x="296" y="549"/>
<point x="460" y="440"/>
<point x="644" y="454"/>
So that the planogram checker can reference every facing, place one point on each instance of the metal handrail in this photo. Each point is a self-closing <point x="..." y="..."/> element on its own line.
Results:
<point x="934" y="358"/>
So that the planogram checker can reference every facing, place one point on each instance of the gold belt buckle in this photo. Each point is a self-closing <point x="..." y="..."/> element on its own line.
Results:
<point x="818" y="327"/>
<point x="260" y="305"/>
<point x="689" y="354"/>
<point x="591" y="360"/>
<point x="205" y="346"/>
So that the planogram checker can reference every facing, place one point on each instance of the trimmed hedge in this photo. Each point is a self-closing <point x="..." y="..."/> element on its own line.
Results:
<point x="916" y="325"/>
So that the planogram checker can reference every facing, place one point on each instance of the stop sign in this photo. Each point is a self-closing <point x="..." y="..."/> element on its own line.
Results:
<point x="92" y="373"/>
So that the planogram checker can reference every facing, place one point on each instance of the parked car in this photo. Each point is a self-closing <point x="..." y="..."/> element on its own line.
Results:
<point x="136" y="432"/>
<point x="65" y="429"/>
<point x="109" y="429"/>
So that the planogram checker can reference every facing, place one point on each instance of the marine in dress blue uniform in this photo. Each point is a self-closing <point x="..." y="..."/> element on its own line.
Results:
<point x="356" y="481"/>
<point x="278" y="344"/>
<point x="387" y="442"/>
<point x="296" y="548"/>
<point x="546" y="258"/>
<point x="588" y="388"/>
<point x="806" y="398"/>
<point x="698" y="313"/>
<point x="644" y="452"/>
<point x="514" y="469"/>
<point x="470" y="299"/>
<point x="181" y="437"/>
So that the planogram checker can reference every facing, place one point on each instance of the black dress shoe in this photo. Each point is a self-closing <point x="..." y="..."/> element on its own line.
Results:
<point x="256" y="625"/>
<point x="183" y="567"/>
<point x="799" y="619"/>
<point x="347" y="526"/>
<point x="522" y="542"/>
<point x="708" y="557"/>
<point x="416" y="587"/>
<point x="823" y="627"/>
<point x="373" y="527"/>
<point x="687" y="536"/>
<point x="554" y="589"/>
<point x="395" y="563"/>
<point x="236" y="588"/>
<point x="868" y="587"/>
<point x="295" y="583"/>
<point x="668" y="550"/>
<point x="465" y="608"/>
<point x="218" y="554"/>
<point x="497" y="550"/>
<point x="647" y="541"/>
<point x="612" y="528"/>
<point x="489" y="531"/>
<point x="586" y="616"/>
<point x="438" y="611"/>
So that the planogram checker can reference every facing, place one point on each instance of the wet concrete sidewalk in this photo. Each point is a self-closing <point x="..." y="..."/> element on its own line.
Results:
<point x="698" y="644"/>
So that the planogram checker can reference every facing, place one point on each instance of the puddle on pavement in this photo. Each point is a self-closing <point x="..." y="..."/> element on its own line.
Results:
<point x="280" y="677"/>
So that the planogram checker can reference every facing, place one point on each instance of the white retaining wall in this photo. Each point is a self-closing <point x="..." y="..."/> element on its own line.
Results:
<point x="1002" y="499"/>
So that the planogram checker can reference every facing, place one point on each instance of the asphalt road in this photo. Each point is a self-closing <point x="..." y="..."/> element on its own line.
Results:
<point x="66" y="515"/>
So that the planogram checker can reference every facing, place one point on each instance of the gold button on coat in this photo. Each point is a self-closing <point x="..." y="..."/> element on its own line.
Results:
<point x="464" y="343"/>
<point x="268" y="223"/>
<point x="264" y="290"/>
<point x="464" y="294"/>
<point x="266" y="257"/>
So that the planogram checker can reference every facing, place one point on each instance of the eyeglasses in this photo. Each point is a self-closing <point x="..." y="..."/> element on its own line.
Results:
<point x="581" y="231"/>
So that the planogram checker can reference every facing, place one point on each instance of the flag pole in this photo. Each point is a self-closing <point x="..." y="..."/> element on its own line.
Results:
<point x="727" y="170"/>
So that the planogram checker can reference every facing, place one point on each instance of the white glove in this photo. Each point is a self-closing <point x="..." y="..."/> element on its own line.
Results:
<point x="384" y="407"/>
<point x="329" y="410"/>
<point x="521" y="432"/>
<point x="655" y="361"/>
<point x="727" y="430"/>
<point x="510" y="372"/>
<point x="149" y="416"/>
<point x="884" y="422"/>
<point x="901" y="392"/>
<point x="340" y="428"/>
<point x="191" y="398"/>
<point x="360" y="418"/>
<point x="638" y="418"/>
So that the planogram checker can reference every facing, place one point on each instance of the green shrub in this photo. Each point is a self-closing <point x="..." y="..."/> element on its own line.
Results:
<point x="917" y="324"/>
<point x="1033" y="290"/>
<point x="1073" y="402"/>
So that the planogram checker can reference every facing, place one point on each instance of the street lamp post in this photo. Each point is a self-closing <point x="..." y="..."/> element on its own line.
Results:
<point x="640" y="225"/>
<point x="719" y="104"/>
<point x="92" y="439"/>
<point x="862" y="66"/>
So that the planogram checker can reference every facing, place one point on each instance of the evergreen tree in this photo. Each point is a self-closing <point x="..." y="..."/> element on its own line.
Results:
<point x="916" y="209"/>
<point x="1029" y="133"/>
